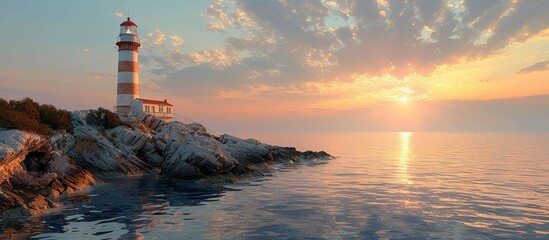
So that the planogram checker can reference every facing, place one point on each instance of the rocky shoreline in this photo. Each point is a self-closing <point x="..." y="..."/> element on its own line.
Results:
<point x="33" y="169"/>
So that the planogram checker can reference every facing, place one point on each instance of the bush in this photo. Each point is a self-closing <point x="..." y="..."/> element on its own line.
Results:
<point x="28" y="115"/>
<point x="27" y="106"/>
<point x="103" y="117"/>
<point x="55" y="118"/>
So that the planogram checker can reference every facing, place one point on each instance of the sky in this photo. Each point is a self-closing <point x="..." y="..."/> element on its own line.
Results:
<point x="293" y="65"/>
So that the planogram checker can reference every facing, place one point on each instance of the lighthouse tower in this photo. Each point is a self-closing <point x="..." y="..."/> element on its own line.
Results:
<point x="128" y="68"/>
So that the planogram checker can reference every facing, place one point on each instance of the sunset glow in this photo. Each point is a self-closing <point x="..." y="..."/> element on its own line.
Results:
<point x="274" y="119"/>
<point x="241" y="65"/>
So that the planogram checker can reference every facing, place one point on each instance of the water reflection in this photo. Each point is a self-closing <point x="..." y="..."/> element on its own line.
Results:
<point x="137" y="206"/>
<point x="465" y="186"/>
<point x="402" y="171"/>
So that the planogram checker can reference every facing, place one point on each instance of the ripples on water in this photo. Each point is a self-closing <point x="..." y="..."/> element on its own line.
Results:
<point x="383" y="186"/>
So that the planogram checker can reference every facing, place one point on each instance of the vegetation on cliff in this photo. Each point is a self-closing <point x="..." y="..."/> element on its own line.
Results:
<point x="28" y="115"/>
<point x="44" y="119"/>
<point x="104" y="118"/>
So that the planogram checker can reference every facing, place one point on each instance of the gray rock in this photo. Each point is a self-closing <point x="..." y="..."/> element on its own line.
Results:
<point x="128" y="139"/>
<point x="248" y="151"/>
<point x="102" y="157"/>
<point x="196" y="157"/>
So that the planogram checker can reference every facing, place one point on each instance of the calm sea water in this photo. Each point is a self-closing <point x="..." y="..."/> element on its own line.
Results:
<point x="382" y="186"/>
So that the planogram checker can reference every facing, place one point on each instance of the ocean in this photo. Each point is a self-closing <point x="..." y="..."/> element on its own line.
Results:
<point x="381" y="186"/>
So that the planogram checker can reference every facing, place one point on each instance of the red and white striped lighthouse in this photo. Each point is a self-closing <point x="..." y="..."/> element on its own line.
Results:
<point x="128" y="68"/>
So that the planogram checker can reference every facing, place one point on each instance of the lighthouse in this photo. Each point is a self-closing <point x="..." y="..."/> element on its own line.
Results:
<point x="128" y="68"/>
<point x="127" y="91"/>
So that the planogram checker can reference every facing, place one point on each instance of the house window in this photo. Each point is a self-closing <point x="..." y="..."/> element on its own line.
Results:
<point x="160" y="109"/>
<point x="153" y="110"/>
<point x="147" y="108"/>
<point x="169" y="110"/>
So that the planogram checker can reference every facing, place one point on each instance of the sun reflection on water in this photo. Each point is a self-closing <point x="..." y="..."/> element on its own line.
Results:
<point x="402" y="171"/>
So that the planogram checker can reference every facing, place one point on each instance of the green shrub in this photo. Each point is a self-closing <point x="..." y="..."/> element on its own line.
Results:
<point x="28" y="115"/>
<point x="103" y="117"/>
<point x="55" y="118"/>
<point x="26" y="106"/>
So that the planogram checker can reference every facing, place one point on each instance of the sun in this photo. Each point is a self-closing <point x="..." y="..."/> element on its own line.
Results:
<point x="404" y="100"/>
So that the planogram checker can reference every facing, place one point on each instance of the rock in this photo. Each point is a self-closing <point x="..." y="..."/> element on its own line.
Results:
<point x="285" y="154"/>
<point x="61" y="164"/>
<point x="78" y="118"/>
<point x="152" y="122"/>
<point x="9" y="200"/>
<point x="195" y="158"/>
<point x="246" y="151"/>
<point x="151" y="154"/>
<point x="33" y="168"/>
<point x="16" y="224"/>
<point x="177" y="130"/>
<point x="96" y="153"/>
<point x="62" y="142"/>
<point x="128" y="139"/>
<point x="39" y="205"/>
<point x="311" y="156"/>
<point x="15" y="145"/>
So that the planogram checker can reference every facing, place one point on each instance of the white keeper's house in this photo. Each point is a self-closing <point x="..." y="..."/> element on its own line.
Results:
<point x="127" y="98"/>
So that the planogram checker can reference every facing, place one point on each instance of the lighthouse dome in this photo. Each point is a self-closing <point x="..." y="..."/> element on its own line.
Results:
<point x="128" y="23"/>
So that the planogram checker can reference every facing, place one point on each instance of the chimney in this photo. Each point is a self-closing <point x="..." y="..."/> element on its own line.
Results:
<point x="165" y="100"/>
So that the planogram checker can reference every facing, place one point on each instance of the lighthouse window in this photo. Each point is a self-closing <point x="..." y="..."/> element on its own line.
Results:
<point x="128" y="30"/>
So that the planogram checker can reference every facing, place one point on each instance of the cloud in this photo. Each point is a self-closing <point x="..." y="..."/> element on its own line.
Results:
<point x="334" y="41"/>
<point x="86" y="50"/>
<point x="217" y="58"/>
<point x="539" y="66"/>
<point x="158" y="37"/>
<point x="119" y="14"/>
<point x="176" y="40"/>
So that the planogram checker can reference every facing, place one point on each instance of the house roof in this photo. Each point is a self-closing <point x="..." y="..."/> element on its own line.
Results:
<point x="158" y="102"/>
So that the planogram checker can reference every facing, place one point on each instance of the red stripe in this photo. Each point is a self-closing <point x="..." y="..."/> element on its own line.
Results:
<point x="127" y="66"/>
<point x="127" y="88"/>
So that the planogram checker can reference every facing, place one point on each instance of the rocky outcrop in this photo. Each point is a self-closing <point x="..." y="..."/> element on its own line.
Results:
<point x="196" y="157"/>
<point x="108" y="152"/>
<point x="14" y="147"/>
<point x="200" y="156"/>
<point x="248" y="151"/>
<point x="33" y="168"/>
